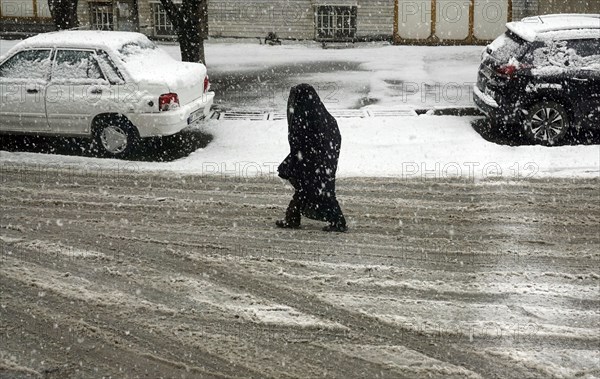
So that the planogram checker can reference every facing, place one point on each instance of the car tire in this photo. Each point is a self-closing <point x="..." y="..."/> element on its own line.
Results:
<point x="116" y="136"/>
<point x="547" y="123"/>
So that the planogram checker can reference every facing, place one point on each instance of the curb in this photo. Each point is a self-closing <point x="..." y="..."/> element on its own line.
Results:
<point x="251" y="115"/>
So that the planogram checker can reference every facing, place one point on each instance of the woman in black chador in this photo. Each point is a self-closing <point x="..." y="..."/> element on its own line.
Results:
<point x="310" y="167"/>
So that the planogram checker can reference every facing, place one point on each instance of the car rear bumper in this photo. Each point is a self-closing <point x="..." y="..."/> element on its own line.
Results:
<point x="172" y="121"/>
<point x="499" y="112"/>
<point x="484" y="102"/>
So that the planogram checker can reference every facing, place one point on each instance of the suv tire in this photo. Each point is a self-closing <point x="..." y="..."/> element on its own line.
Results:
<point x="547" y="123"/>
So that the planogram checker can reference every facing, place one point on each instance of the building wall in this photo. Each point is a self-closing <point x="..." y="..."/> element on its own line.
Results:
<point x="375" y="18"/>
<point x="83" y="13"/>
<point x="256" y="18"/>
<point x="524" y="8"/>
<point x="569" y="6"/>
<point x="451" y="22"/>
<point x="416" y="17"/>
<point x="289" y="19"/>
<point x="293" y="19"/>
<point x="24" y="17"/>
<point x="145" y="12"/>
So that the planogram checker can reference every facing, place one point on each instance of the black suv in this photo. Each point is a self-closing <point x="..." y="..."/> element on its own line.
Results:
<point x="543" y="76"/>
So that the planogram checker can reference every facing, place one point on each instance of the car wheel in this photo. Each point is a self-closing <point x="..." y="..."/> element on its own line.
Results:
<point x="116" y="137"/>
<point x="547" y="123"/>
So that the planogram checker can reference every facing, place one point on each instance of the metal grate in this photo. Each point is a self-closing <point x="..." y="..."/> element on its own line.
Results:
<point x="348" y="113"/>
<point x="245" y="115"/>
<point x="160" y="22"/>
<point x="276" y="116"/>
<point x="101" y="16"/>
<point x="336" y="22"/>
<point x="337" y="113"/>
<point x="391" y="113"/>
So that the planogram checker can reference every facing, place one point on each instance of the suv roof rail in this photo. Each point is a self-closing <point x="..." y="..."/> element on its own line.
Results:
<point x="530" y="28"/>
<point x="561" y="15"/>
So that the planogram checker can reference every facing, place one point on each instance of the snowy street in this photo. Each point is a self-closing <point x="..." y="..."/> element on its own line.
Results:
<point x="468" y="256"/>
<point x="116" y="273"/>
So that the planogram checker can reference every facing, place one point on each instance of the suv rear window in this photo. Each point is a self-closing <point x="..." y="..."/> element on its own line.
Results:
<point x="508" y="46"/>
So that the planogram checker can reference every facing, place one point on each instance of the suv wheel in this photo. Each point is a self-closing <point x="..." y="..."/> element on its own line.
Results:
<point x="547" y="123"/>
<point x="116" y="136"/>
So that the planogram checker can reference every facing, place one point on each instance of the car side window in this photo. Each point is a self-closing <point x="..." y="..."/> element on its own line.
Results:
<point x="109" y="68"/>
<point x="566" y="56"/>
<point x="587" y="55"/>
<point x="28" y="64"/>
<point x="76" y="65"/>
<point x="586" y="47"/>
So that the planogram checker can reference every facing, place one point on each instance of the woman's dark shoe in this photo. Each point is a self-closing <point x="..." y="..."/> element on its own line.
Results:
<point x="336" y="228"/>
<point x="285" y="225"/>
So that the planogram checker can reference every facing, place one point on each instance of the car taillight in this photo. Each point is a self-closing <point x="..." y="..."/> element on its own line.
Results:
<point x="168" y="101"/>
<point x="510" y="70"/>
<point x="206" y="83"/>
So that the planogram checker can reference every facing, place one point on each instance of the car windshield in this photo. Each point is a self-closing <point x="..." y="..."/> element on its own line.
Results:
<point x="507" y="47"/>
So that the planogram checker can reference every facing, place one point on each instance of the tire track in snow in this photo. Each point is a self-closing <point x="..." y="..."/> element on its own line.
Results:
<point x="437" y="237"/>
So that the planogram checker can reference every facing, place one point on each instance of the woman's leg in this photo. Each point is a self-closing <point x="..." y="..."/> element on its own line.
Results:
<point x="292" y="214"/>
<point x="328" y="210"/>
<point x="335" y="216"/>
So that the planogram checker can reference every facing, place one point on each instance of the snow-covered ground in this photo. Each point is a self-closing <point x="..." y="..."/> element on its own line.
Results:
<point x="417" y="147"/>
<point x="392" y="77"/>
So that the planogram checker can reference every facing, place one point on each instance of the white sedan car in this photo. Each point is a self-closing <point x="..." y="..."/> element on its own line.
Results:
<point x="116" y="87"/>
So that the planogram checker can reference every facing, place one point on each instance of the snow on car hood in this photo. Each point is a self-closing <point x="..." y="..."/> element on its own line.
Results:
<point x="147" y="63"/>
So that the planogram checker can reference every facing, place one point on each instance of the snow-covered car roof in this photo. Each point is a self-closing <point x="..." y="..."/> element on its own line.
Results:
<point x="557" y="26"/>
<point x="82" y="39"/>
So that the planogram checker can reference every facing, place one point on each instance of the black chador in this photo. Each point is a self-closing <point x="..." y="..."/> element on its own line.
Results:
<point x="310" y="167"/>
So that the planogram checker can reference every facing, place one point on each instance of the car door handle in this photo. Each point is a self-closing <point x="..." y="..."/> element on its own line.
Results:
<point x="32" y="90"/>
<point x="96" y="91"/>
<point x="580" y="79"/>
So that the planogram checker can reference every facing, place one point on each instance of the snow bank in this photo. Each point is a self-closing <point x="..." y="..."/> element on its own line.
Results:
<point x="424" y="147"/>
<point x="412" y="148"/>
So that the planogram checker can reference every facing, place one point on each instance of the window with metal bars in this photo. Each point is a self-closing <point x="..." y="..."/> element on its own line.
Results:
<point x="336" y="22"/>
<point x="101" y="16"/>
<point x="160" y="22"/>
